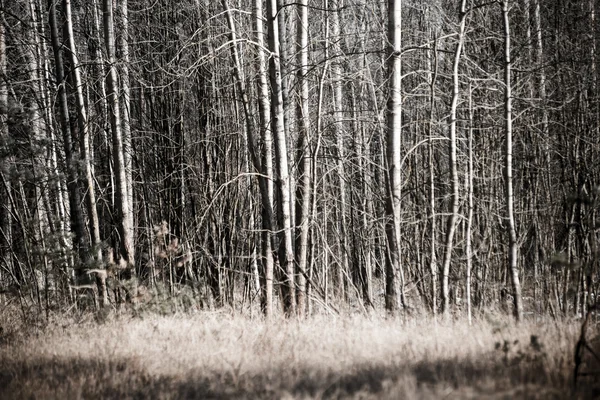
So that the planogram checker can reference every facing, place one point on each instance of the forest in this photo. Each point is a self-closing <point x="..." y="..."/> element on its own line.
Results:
<point x="300" y="157"/>
<point x="410" y="189"/>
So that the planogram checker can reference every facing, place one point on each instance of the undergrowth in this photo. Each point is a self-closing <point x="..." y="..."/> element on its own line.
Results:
<point x="224" y="355"/>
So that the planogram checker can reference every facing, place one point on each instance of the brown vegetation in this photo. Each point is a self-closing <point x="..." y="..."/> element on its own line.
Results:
<point x="215" y="355"/>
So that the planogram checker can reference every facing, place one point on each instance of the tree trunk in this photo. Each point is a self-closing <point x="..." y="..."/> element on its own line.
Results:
<point x="265" y="182"/>
<point x="36" y="104"/>
<point x="82" y="124"/>
<point x="453" y="216"/>
<point x="126" y="116"/>
<point x="6" y="254"/>
<point x="338" y="117"/>
<point x="510" y="218"/>
<point x="126" y="245"/>
<point x="286" y="251"/>
<point x="469" y="233"/>
<point x="303" y="189"/>
<point x="394" y="280"/>
<point x="433" y="266"/>
<point x="80" y="244"/>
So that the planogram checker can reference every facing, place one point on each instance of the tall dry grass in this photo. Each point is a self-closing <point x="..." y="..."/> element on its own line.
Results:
<point x="215" y="355"/>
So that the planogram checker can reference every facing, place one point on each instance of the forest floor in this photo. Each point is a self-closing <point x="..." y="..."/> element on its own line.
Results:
<point x="217" y="355"/>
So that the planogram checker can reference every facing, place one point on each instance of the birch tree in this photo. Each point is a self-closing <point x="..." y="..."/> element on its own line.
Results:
<point x="84" y="137"/>
<point x="126" y="113"/>
<point x="303" y="190"/>
<point x="266" y="185"/>
<point x="394" y="297"/>
<point x="5" y="208"/>
<point x="282" y="178"/>
<point x="453" y="214"/>
<point x="71" y="154"/>
<point x="508" y="168"/>
<point x="340" y="149"/>
<point x="126" y="245"/>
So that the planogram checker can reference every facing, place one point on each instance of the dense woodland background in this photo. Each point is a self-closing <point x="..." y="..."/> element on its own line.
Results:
<point x="238" y="154"/>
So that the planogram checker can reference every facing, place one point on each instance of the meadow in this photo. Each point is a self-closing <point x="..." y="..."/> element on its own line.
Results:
<point x="221" y="355"/>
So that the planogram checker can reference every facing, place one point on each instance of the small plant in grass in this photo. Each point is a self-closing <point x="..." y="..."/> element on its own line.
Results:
<point x="161" y="300"/>
<point x="515" y="352"/>
<point x="171" y="261"/>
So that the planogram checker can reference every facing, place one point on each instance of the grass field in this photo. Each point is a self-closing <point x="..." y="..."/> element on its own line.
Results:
<point x="216" y="355"/>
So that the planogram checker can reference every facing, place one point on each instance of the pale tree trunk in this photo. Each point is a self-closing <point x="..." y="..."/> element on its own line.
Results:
<point x="393" y="271"/>
<point x="534" y="208"/>
<point x="364" y="267"/>
<point x="82" y="124"/>
<point x="283" y="6"/>
<point x="285" y="28"/>
<point x="512" y="232"/>
<point x="33" y="55"/>
<point x="338" y="118"/>
<point x="80" y="242"/>
<point x="84" y="144"/>
<point x="544" y="134"/>
<point x="126" y="248"/>
<point x="126" y="114"/>
<point x="303" y="189"/>
<point x="469" y="233"/>
<point x="433" y="267"/>
<point x="100" y="70"/>
<point x="56" y="207"/>
<point x="366" y="189"/>
<point x="542" y="81"/>
<point x="587" y="280"/>
<point x="266" y="181"/>
<point x="286" y="253"/>
<point x="453" y="216"/>
<point x="315" y="156"/>
<point x="5" y="207"/>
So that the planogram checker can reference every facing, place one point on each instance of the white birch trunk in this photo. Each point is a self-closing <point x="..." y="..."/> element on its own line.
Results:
<point x="82" y="124"/>
<point x="303" y="190"/>
<point x="453" y="217"/>
<point x="394" y="278"/>
<point x="126" y="249"/>
<point x="264" y="109"/>
<point x="511" y="228"/>
<point x="126" y="115"/>
<point x="286" y="253"/>
<point x="469" y="233"/>
<point x="80" y="243"/>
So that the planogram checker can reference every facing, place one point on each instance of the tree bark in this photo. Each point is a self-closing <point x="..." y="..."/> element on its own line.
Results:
<point x="470" y="206"/>
<point x="338" y="118"/>
<point x="453" y="217"/>
<point x="286" y="251"/>
<point x="266" y="181"/>
<point x="126" y="245"/>
<point x="433" y="265"/>
<point x="81" y="243"/>
<point x="394" y="280"/>
<point x="6" y="254"/>
<point x="84" y="137"/>
<point x="126" y="115"/>
<point x="510" y="218"/>
<point x="303" y="189"/>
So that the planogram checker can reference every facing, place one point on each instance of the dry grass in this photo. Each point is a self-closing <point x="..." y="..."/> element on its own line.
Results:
<point x="213" y="355"/>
